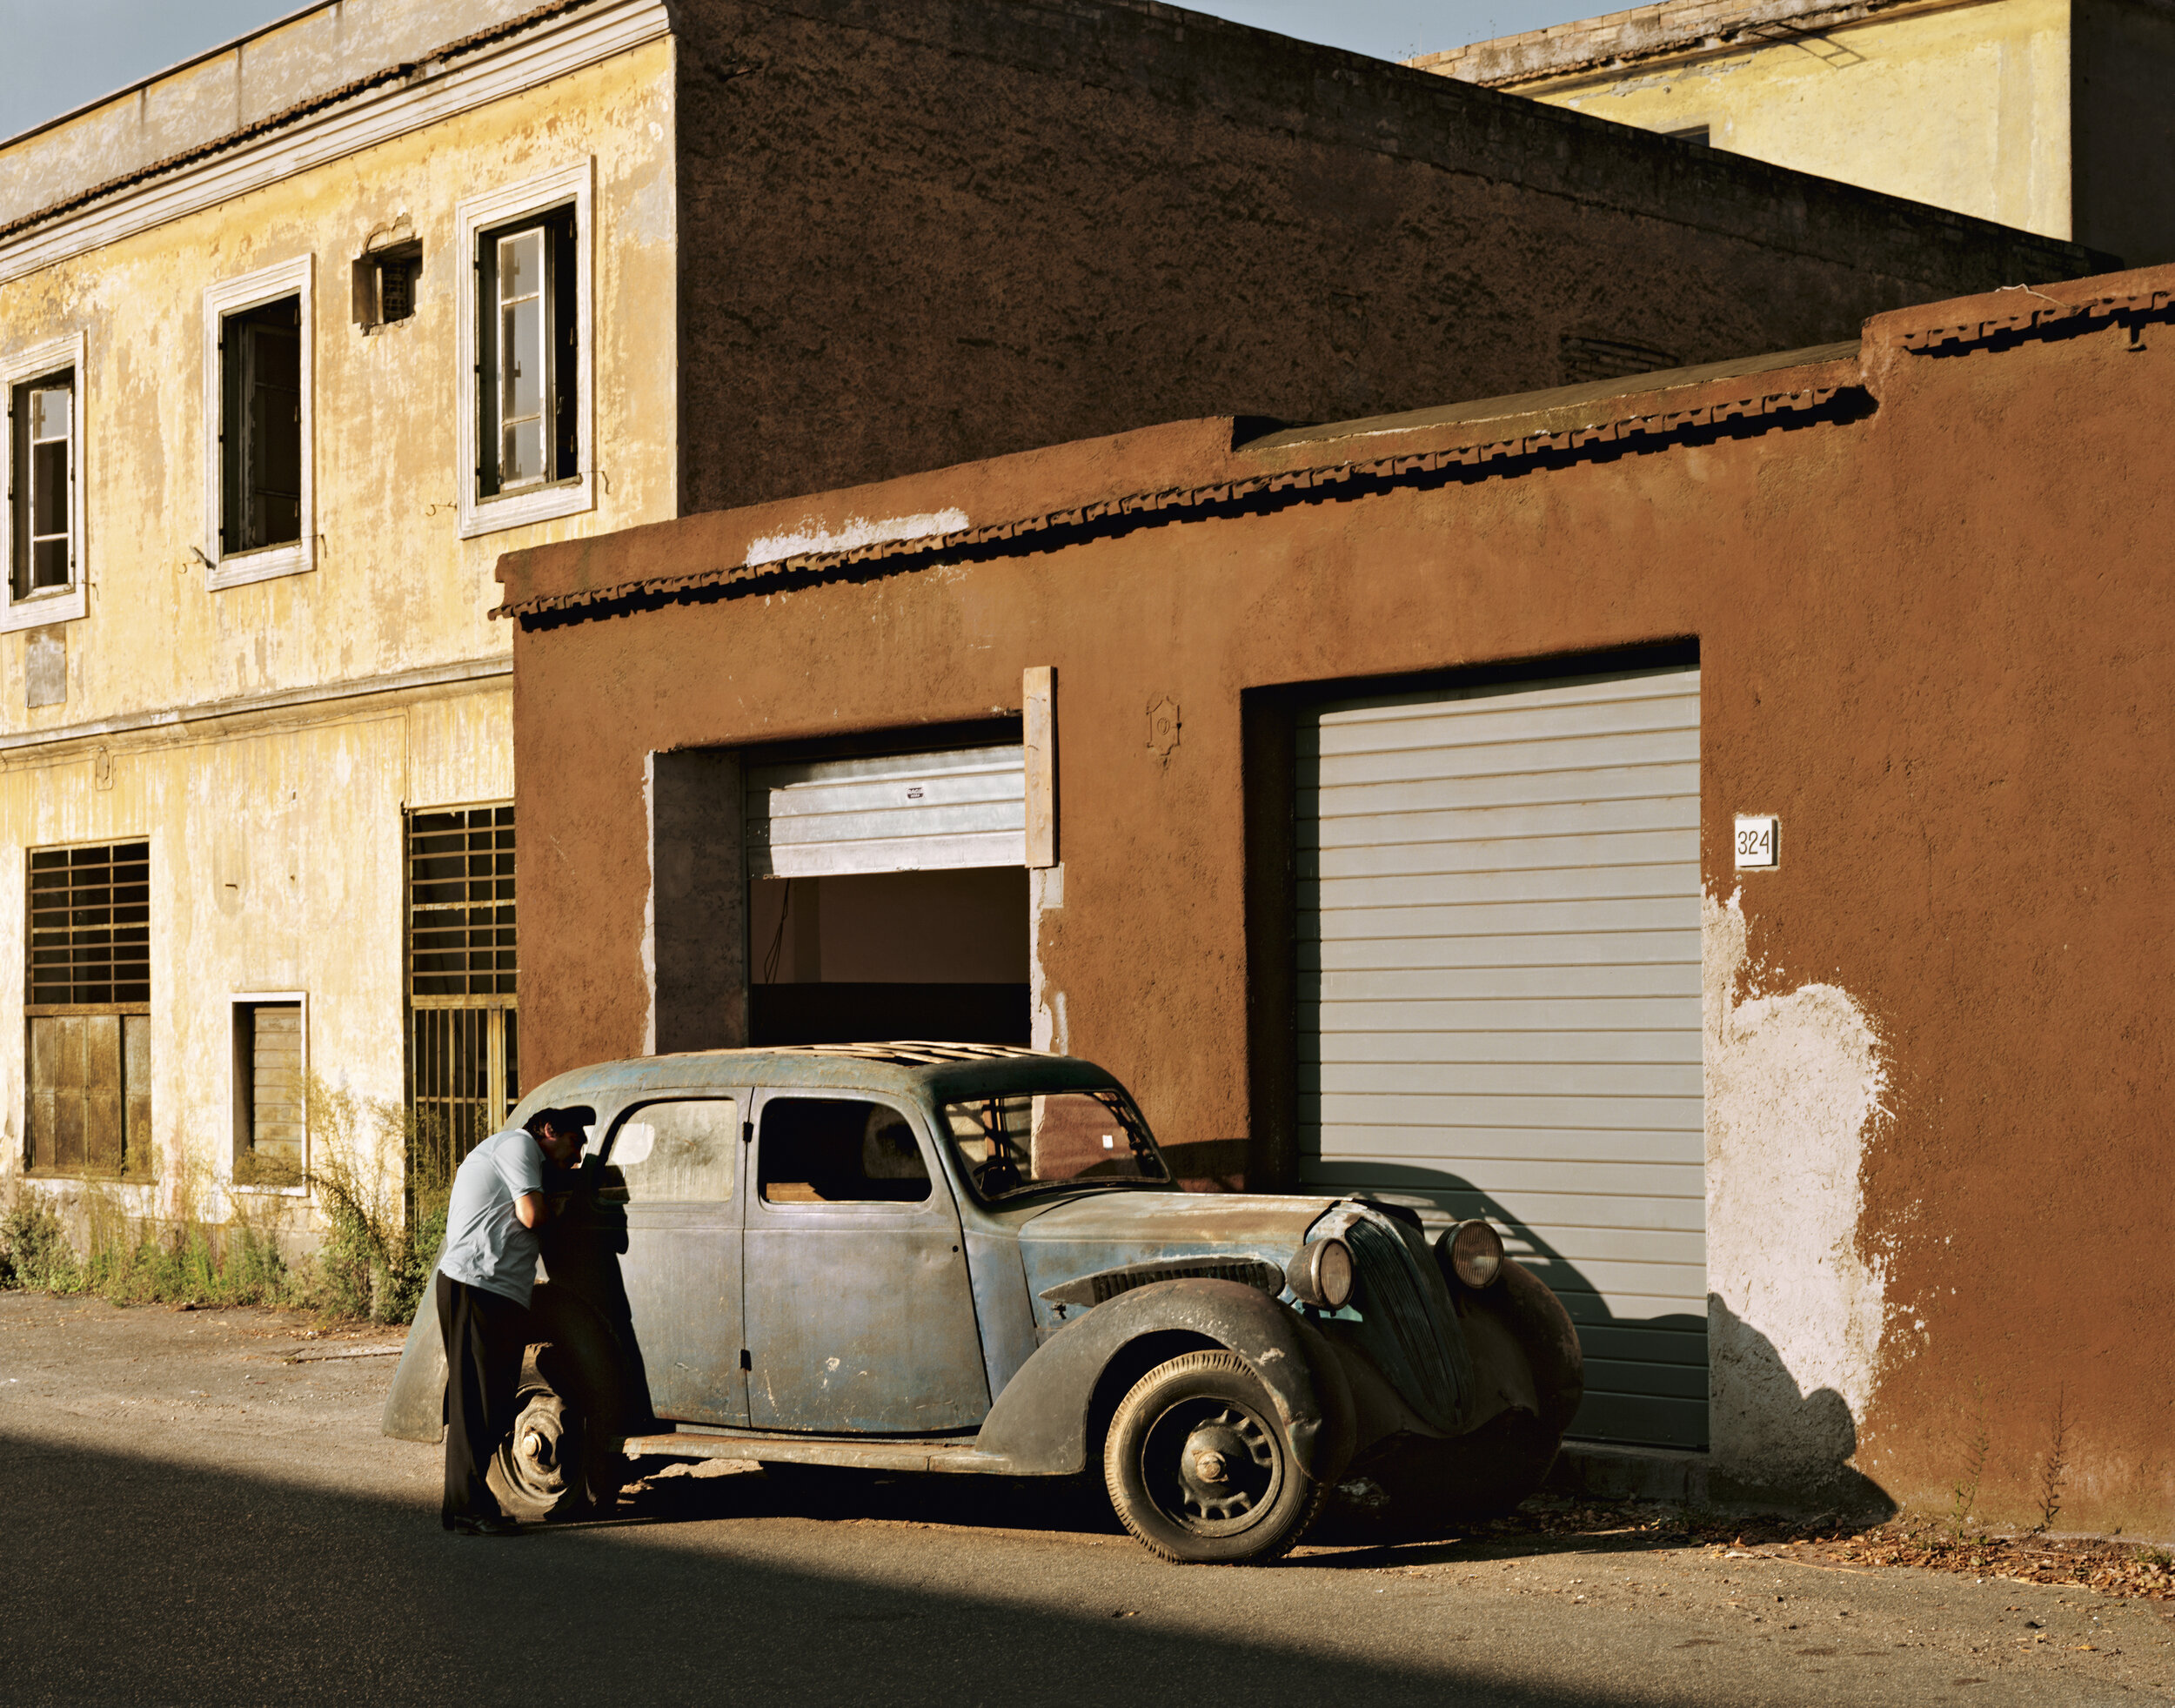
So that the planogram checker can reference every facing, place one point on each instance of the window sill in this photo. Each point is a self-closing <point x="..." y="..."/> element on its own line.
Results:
<point x="85" y="1177"/>
<point x="538" y="504"/>
<point x="65" y="605"/>
<point x="255" y="1190"/>
<point x="243" y="568"/>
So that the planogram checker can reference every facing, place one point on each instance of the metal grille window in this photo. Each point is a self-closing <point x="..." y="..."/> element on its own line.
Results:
<point x="464" y="1028"/>
<point x="88" y="1010"/>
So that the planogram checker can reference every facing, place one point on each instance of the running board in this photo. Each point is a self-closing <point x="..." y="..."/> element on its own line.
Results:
<point x="856" y="1454"/>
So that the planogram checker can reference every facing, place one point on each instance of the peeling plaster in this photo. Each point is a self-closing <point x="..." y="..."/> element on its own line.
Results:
<point x="1795" y="1084"/>
<point x="1046" y="897"/>
<point x="856" y="531"/>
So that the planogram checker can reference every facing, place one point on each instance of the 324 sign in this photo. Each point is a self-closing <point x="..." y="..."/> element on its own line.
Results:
<point x="1755" y="843"/>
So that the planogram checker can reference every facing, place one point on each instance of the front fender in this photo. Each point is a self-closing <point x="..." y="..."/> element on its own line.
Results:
<point x="415" y="1409"/>
<point x="1042" y="1420"/>
<point x="1530" y="1326"/>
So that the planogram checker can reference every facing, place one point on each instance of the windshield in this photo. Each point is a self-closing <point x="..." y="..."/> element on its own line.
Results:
<point x="1015" y="1144"/>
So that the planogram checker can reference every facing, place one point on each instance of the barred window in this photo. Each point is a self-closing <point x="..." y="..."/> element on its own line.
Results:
<point x="463" y="1026"/>
<point x="89" y="986"/>
<point x="90" y="931"/>
<point x="461" y="902"/>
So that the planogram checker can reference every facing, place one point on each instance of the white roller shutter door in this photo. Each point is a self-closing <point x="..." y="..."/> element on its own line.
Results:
<point x="897" y="813"/>
<point x="1500" y="998"/>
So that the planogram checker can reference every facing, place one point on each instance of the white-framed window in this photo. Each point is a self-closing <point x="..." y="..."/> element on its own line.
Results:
<point x="42" y="388"/>
<point x="258" y="497"/>
<point x="526" y="384"/>
<point x="271" y="1066"/>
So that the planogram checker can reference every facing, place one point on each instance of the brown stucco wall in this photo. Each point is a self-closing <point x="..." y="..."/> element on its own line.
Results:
<point x="1930" y="618"/>
<point x="917" y="233"/>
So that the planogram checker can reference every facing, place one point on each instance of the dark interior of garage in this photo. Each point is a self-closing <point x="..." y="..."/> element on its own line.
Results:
<point x="880" y="956"/>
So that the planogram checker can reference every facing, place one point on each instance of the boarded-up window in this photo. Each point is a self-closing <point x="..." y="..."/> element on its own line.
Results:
<point x="89" y="1010"/>
<point x="463" y="1026"/>
<point x="268" y="1078"/>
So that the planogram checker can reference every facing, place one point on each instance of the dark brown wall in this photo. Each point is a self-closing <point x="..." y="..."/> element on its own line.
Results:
<point x="1934" y="638"/>
<point x="914" y="233"/>
<point x="2121" y="184"/>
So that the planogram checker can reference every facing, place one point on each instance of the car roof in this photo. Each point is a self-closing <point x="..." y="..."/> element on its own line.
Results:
<point x="905" y="1066"/>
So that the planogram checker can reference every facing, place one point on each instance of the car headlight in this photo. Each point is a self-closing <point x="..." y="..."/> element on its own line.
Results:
<point x="1473" y="1252"/>
<point x="1320" y="1274"/>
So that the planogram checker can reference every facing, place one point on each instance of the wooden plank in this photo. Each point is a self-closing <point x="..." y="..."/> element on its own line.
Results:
<point x="276" y="1112"/>
<point x="140" y="1156"/>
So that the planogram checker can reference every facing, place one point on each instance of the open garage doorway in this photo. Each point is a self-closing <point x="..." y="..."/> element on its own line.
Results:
<point x="888" y="899"/>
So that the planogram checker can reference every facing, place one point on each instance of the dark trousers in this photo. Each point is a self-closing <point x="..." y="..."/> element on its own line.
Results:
<point x="486" y="1335"/>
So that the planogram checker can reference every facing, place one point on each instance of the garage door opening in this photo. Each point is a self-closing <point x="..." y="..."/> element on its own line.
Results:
<point x="1499" y="992"/>
<point x="877" y="955"/>
<point x="888" y="899"/>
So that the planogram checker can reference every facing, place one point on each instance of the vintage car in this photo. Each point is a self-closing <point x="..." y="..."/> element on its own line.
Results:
<point x="973" y="1259"/>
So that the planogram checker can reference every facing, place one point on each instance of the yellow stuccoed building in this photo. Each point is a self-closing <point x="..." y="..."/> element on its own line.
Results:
<point x="2050" y="115"/>
<point x="257" y="712"/>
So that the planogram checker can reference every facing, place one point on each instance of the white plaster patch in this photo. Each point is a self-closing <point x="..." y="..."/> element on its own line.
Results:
<point x="1045" y="895"/>
<point x="1795" y="1084"/>
<point x="857" y="531"/>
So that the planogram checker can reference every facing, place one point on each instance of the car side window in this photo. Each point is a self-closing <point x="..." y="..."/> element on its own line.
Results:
<point x="839" y="1150"/>
<point x="677" y="1153"/>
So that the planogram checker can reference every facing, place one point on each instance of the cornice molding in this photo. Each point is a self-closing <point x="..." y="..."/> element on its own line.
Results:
<point x="34" y="745"/>
<point x="428" y="94"/>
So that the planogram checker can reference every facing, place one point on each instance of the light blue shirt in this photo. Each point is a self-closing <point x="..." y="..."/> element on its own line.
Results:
<point x="485" y="1244"/>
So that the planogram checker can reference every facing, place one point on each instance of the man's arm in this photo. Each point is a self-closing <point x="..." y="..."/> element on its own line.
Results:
<point x="532" y="1208"/>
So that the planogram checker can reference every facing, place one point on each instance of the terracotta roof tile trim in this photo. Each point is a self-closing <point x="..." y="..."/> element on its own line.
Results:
<point x="1933" y="340"/>
<point x="1330" y="478"/>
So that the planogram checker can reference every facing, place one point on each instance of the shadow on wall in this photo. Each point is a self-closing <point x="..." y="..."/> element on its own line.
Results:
<point x="1661" y="1381"/>
<point x="1646" y="1376"/>
<point x="1773" y="1440"/>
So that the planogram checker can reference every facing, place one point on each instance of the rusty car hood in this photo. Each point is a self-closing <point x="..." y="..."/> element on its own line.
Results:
<point x="1078" y="1236"/>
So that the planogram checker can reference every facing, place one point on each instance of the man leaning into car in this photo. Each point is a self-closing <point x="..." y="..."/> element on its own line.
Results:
<point x="483" y="1286"/>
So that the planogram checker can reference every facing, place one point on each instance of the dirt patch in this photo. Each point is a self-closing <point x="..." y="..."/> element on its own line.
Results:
<point x="2105" y="1565"/>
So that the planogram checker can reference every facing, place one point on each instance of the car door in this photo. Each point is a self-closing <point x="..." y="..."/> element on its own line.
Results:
<point x="859" y="1316"/>
<point x="676" y="1164"/>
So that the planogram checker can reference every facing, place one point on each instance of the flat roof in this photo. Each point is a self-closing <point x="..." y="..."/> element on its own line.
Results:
<point x="1558" y="397"/>
<point x="1650" y="32"/>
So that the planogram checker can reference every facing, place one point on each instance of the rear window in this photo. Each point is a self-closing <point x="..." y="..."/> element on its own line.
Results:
<point x="838" y="1150"/>
<point x="1012" y="1144"/>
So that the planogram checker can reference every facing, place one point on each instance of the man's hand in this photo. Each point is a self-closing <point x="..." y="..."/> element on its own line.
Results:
<point x="532" y="1208"/>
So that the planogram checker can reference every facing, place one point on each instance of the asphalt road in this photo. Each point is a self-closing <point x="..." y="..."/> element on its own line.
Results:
<point x="188" y="1514"/>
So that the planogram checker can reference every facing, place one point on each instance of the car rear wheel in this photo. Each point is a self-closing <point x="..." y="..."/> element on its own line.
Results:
<point x="564" y="1458"/>
<point x="1198" y="1469"/>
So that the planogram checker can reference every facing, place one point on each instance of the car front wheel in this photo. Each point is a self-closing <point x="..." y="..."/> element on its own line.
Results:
<point x="563" y="1459"/>
<point x="1198" y="1469"/>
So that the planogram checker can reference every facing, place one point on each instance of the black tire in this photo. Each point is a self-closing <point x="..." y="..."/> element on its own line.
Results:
<point x="565" y="1458"/>
<point x="1198" y="1469"/>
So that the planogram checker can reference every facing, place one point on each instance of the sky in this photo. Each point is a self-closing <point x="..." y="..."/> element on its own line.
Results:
<point x="56" y="56"/>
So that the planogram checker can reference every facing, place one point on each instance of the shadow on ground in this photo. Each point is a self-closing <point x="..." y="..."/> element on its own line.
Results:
<point x="122" y="1578"/>
<point x="1546" y="1525"/>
